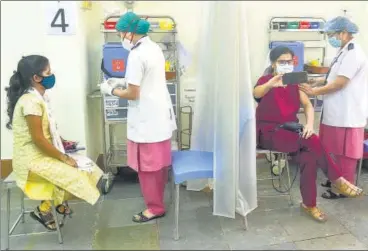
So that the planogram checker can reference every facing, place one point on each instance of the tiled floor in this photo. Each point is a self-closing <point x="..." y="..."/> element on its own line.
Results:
<point x="272" y="226"/>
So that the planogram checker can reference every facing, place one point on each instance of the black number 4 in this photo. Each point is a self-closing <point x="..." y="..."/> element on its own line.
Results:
<point x="62" y="23"/>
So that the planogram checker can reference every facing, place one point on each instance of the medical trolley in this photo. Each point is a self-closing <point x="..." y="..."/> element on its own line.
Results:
<point x="163" y="30"/>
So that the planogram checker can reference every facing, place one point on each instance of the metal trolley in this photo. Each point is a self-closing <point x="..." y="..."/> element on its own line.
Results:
<point x="163" y="30"/>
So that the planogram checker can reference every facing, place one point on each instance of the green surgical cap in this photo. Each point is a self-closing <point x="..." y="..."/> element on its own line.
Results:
<point x="339" y="24"/>
<point x="130" y="22"/>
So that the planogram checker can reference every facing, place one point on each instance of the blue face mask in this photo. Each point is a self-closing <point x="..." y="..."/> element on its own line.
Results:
<point x="334" y="42"/>
<point x="48" y="82"/>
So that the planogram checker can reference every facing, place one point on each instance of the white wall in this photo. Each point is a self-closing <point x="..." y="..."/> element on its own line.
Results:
<point x="23" y="32"/>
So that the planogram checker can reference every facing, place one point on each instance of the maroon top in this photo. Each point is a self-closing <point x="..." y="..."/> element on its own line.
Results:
<point x="279" y="105"/>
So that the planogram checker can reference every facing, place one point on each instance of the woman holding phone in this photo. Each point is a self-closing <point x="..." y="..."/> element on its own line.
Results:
<point x="278" y="104"/>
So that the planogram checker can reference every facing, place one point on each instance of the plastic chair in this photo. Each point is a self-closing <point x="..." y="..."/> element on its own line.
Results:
<point x="188" y="165"/>
<point x="9" y="184"/>
<point x="365" y="150"/>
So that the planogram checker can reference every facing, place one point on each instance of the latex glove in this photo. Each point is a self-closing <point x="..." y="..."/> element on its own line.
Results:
<point x="105" y="88"/>
<point x="117" y="82"/>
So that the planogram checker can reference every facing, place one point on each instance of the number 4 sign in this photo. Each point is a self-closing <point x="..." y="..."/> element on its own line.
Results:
<point x="61" y="17"/>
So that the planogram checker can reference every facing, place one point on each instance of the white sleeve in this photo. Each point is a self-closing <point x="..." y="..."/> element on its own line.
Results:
<point x="350" y="65"/>
<point x="135" y="69"/>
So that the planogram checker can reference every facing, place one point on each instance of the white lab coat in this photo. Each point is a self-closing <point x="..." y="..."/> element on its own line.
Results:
<point x="151" y="118"/>
<point x="348" y="107"/>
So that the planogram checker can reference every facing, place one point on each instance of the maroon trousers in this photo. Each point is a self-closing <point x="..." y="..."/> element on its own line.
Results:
<point x="312" y="156"/>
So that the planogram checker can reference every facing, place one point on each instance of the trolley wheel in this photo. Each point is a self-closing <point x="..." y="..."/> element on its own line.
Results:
<point x="275" y="167"/>
<point x="270" y="157"/>
<point x="106" y="185"/>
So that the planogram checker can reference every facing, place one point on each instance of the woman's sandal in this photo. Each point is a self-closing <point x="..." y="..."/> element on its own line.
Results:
<point x="331" y="195"/>
<point x="327" y="184"/>
<point x="46" y="219"/>
<point x="314" y="212"/>
<point x="141" y="218"/>
<point x="64" y="210"/>
<point x="347" y="189"/>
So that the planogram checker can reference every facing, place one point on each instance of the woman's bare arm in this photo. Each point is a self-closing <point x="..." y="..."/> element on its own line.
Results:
<point x="308" y="108"/>
<point x="261" y="90"/>
<point x="35" y="129"/>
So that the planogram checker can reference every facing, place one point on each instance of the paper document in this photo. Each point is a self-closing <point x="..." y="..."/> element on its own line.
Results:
<point x="84" y="163"/>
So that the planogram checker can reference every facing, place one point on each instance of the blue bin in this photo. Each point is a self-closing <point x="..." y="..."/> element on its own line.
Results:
<point x="297" y="48"/>
<point x="114" y="60"/>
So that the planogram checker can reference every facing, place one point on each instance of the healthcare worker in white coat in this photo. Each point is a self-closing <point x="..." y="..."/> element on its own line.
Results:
<point x="345" y="100"/>
<point x="151" y="118"/>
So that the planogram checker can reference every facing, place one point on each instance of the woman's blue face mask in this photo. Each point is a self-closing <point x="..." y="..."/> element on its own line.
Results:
<point x="48" y="82"/>
<point x="334" y="42"/>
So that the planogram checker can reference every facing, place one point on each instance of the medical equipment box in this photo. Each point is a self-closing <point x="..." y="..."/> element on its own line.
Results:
<point x="118" y="114"/>
<point x="115" y="102"/>
<point x="114" y="60"/>
<point x="297" y="48"/>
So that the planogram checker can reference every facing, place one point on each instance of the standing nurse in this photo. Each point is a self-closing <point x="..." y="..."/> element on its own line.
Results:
<point x="151" y="119"/>
<point x="345" y="100"/>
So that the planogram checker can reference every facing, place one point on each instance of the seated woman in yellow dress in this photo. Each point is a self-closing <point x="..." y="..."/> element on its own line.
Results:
<point x="41" y="167"/>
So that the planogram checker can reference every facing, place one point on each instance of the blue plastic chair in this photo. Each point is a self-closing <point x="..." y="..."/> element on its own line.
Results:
<point x="365" y="150"/>
<point x="188" y="165"/>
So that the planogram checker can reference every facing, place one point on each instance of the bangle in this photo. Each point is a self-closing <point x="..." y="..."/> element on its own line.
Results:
<point x="112" y="91"/>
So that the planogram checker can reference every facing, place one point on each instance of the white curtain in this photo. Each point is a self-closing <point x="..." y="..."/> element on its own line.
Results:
<point x="224" y="119"/>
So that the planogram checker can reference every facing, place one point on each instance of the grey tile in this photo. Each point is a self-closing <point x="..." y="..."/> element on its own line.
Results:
<point x="300" y="226"/>
<point x="184" y="244"/>
<point x="336" y="242"/>
<point x="353" y="214"/>
<point x="79" y="231"/>
<point x="263" y="229"/>
<point x="200" y="225"/>
<point x="138" y="237"/>
<point x="281" y="246"/>
<point x="36" y="242"/>
<point x="124" y="190"/>
<point x="119" y="213"/>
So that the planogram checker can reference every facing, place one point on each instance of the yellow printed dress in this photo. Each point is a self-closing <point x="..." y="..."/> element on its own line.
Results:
<point x="40" y="176"/>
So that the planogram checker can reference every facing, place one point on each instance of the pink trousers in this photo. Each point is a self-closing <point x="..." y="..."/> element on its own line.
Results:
<point x="151" y="161"/>
<point x="345" y="145"/>
<point x="153" y="189"/>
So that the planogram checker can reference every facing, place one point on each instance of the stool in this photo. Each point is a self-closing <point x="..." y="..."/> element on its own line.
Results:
<point x="9" y="184"/>
<point x="188" y="165"/>
<point x="281" y="156"/>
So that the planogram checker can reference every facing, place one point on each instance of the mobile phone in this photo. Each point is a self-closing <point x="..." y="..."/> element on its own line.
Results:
<point x="295" y="78"/>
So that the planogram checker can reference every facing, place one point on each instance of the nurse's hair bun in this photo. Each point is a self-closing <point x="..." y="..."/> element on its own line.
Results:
<point x="142" y="26"/>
